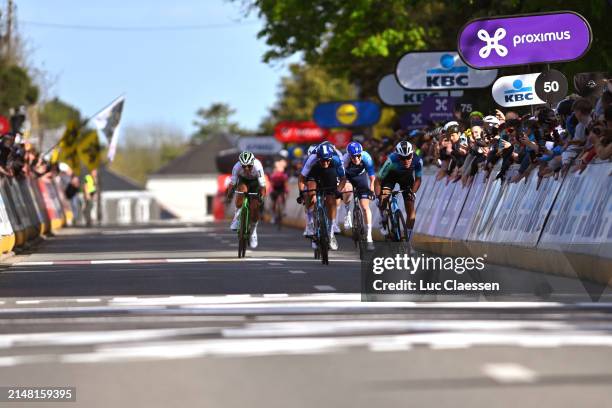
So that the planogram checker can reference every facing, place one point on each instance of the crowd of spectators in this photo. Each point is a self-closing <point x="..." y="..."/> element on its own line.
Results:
<point x="551" y="142"/>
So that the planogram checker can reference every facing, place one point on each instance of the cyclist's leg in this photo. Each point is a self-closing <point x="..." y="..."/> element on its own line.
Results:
<point x="346" y="197"/>
<point x="406" y="185"/>
<point x="309" y="202"/>
<point x="238" y="199"/>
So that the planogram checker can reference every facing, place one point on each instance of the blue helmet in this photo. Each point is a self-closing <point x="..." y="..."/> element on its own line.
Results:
<point x="325" y="152"/>
<point x="354" y="148"/>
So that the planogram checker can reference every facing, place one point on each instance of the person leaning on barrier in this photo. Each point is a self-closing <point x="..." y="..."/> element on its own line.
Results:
<point x="6" y="149"/>
<point x="581" y="109"/>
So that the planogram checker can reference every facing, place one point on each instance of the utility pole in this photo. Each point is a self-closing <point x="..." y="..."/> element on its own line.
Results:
<point x="9" y="28"/>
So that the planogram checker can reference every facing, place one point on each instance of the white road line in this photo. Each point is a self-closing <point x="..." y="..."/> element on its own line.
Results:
<point x="110" y="261"/>
<point x="88" y="300"/>
<point x="34" y="263"/>
<point x="275" y="295"/>
<point x="324" y="288"/>
<point x="296" y="271"/>
<point x="28" y="302"/>
<point x="275" y="264"/>
<point x="186" y="260"/>
<point x="508" y="373"/>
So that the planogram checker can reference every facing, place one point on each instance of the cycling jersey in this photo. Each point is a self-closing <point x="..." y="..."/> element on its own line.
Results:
<point x="278" y="180"/>
<point x="313" y="161"/>
<point x="394" y="165"/>
<point x="256" y="173"/>
<point x="365" y="166"/>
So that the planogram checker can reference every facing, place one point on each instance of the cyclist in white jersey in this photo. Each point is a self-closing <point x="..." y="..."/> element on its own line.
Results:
<point x="248" y="176"/>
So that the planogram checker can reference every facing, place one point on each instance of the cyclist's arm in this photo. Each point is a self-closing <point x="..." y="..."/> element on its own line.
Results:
<point x="301" y="182"/>
<point x="369" y="165"/>
<point x="377" y="184"/>
<point x="418" y="172"/>
<point x="342" y="183"/>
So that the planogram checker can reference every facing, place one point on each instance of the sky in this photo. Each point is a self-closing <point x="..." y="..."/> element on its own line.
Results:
<point x="166" y="75"/>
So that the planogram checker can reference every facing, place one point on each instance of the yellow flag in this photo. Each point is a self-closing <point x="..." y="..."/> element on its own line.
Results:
<point x="88" y="149"/>
<point x="67" y="151"/>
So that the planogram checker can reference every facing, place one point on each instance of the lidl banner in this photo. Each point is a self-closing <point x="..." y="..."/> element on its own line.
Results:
<point x="524" y="39"/>
<point x="346" y="114"/>
<point x="391" y="93"/>
<point x="435" y="70"/>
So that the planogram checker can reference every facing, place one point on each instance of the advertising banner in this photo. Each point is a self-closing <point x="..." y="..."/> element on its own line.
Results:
<point x="516" y="90"/>
<point x="434" y="70"/>
<point x="346" y="114"/>
<point x="299" y="132"/>
<point x="391" y="93"/>
<point x="438" y="108"/>
<point x="524" y="39"/>
<point x="412" y="120"/>
<point x="260" y="145"/>
<point x="340" y="138"/>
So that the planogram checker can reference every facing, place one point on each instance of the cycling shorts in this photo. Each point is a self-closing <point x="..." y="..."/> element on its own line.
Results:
<point x="404" y="179"/>
<point x="252" y="184"/>
<point x="326" y="178"/>
<point x="361" y="185"/>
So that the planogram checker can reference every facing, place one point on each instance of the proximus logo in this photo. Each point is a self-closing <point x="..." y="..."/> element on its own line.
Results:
<point x="492" y="43"/>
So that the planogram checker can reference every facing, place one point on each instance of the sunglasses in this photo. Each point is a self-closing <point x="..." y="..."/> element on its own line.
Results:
<point x="248" y="166"/>
<point x="356" y="156"/>
<point x="405" y="158"/>
<point x="325" y="160"/>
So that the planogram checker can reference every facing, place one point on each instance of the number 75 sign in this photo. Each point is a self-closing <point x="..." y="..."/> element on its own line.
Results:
<point x="548" y="87"/>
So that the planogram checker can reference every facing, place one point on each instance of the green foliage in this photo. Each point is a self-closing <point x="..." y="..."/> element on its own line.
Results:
<point x="362" y="39"/>
<point x="302" y="90"/>
<point x="215" y="120"/>
<point x="145" y="149"/>
<point x="55" y="113"/>
<point x="17" y="87"/>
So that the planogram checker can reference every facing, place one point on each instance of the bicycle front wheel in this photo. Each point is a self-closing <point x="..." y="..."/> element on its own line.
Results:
<point x="323" y="235"/>
<point x="243" y="232"/>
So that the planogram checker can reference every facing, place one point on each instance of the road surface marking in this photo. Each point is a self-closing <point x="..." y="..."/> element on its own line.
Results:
<point x="508" y="373"/>
<point x="27" y="302"/>
<point x="110" y="261"/>
<point x="275" y="264"/>
<point x="186" y="260"/>
<point x="324" y="288"/>
<point x="296" y="271"/>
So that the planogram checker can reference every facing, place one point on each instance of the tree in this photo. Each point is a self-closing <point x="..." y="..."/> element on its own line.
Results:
<point x="215" y="120"/>
<point x="363" y="39"/>
<point x="17" y="87"/>
<point x="55" y="113"/>
<point x="302" y="90"/>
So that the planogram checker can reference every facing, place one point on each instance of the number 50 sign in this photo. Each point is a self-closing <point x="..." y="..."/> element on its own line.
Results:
<point x="548" y="87"/>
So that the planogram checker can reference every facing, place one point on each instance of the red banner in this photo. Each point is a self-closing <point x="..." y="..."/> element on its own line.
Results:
<point x="299" y="132"/>
<point x="340" y="138"/>
<point x="5" y="126"/>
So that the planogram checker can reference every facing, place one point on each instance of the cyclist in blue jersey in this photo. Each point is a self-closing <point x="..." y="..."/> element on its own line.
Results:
<point x="324" y="171"/>
<point x="359" y="169"/>
<point x="402" y="167"/>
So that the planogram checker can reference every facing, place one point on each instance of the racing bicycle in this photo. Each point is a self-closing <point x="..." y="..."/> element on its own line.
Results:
<point x="244" y="231"/>
<point x="395" y="222"/>
<point x="321" y="227"/>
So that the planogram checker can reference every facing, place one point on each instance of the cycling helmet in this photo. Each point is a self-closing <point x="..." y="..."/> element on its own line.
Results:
<point x="246" y="158"/>
<point x="312" y="149"/>
<point x="325" y="152"/>
<point x="354" y="148"/>
<point x="404" y="148"/>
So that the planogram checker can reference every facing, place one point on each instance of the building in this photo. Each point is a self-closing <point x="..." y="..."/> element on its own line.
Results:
<point x="187" y="186"/>
<point x="124" y="201"/>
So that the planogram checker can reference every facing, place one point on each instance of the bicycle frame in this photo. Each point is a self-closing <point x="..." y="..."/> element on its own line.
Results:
<point x="244" y="232"/>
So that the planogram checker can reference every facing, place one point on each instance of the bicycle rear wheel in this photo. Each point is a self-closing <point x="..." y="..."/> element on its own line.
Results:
<point x="403" y="230"/>
<point x="323" y="236"/>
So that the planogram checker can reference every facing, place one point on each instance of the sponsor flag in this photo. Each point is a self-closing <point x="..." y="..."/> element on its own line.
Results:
<point x="89" y="150"/>
<point x="67" y="147"/>
<point x="107" y="123"/>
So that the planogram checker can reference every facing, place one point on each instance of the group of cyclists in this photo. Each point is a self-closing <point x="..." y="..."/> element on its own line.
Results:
<point x="336" y="176"/>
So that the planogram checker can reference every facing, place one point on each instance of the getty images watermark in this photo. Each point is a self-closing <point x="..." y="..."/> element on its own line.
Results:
<point x="393" y="273"/>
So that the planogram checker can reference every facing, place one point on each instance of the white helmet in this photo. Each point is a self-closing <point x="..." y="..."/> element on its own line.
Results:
<point x="404" y="148"/>
<point x="246" y="158"/>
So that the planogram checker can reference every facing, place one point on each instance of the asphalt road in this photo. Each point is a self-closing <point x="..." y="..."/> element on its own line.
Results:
<point x="167" y="316"/>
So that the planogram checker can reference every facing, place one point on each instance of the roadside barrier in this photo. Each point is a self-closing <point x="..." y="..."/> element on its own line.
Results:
<point x="29" y="208"/>
<point x="560" y="226"/>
